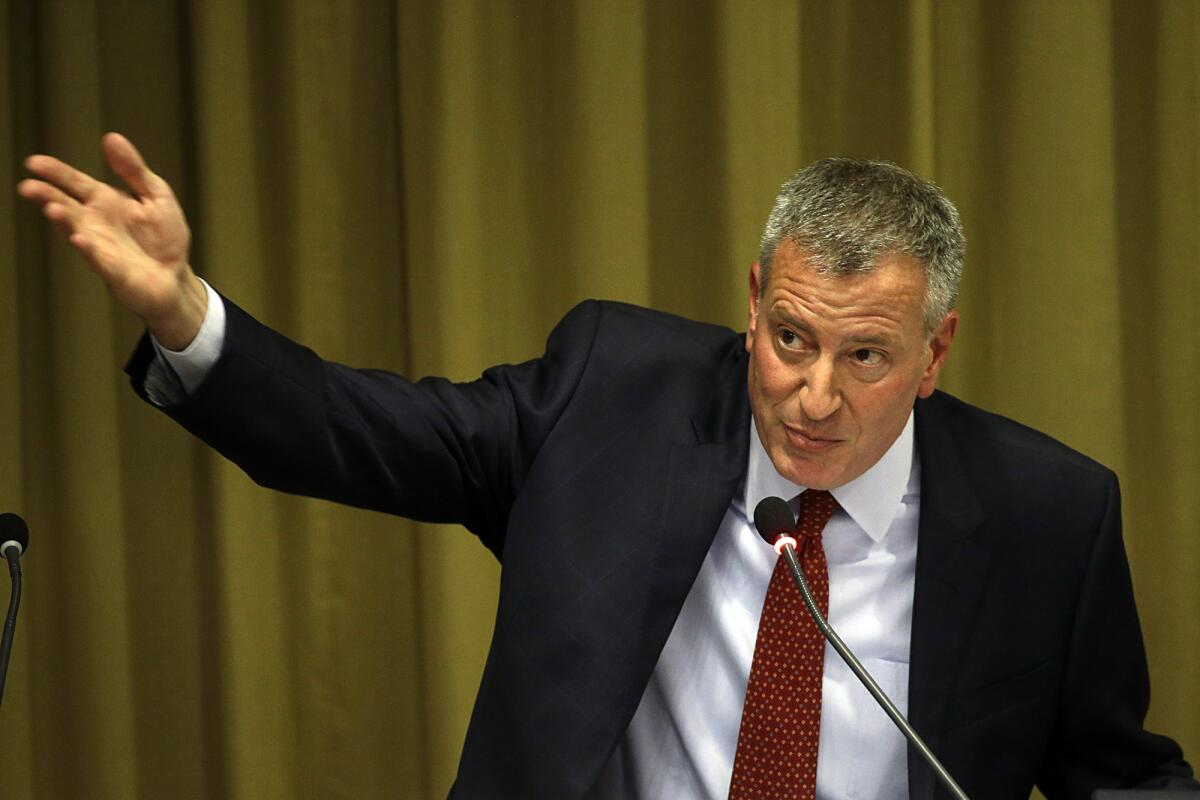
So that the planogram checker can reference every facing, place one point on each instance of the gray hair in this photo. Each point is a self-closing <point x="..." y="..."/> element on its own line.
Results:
<point x="847" y="213"/>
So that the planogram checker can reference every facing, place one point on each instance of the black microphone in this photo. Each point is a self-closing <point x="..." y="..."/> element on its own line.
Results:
<point x="776" y="524"/>
<point x="14" y="540"/>
<point x="13" y="533"/>
<point x="774" y="518"/>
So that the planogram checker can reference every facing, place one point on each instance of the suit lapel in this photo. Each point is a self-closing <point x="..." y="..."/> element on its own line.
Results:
<point x="702" y="473"/>
<point x="702" y="477"/>
<point x="950" y="576"/>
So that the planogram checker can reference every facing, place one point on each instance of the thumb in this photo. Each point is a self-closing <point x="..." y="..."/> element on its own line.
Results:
<point x="127" y="162"/>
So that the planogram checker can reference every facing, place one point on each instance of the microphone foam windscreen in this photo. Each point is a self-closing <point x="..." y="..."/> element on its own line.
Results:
<point x="773" y="516"/>
<point x="14" y="529"/>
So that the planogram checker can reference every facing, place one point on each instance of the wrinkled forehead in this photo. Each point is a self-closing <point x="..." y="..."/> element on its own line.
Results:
<point x="794" y="257"/>
<point x="892" y="287"/>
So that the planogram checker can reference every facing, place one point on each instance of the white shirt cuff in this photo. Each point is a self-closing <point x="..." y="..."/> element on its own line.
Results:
<point x="193" y="363"/>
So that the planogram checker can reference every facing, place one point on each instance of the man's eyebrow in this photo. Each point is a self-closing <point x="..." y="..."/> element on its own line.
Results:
<point x="871" y="339"/>
<point x="787" y="319"/>
<point x="792" y="322"/>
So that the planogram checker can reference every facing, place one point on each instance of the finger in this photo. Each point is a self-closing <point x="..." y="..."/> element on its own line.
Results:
<point x="100" y="251"/>
<point x="77" y="184"/>
<point x="67" y="222"/>
<point x="92" y="245"/>
<point x="68" y="218"/>
<point x="42" y="193"/>
<point x="128" y="163"/>
<point x="87" y="247"/>
<point x="58" y="212"/>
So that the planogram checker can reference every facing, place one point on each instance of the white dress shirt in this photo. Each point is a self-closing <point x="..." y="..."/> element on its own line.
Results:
<point x="681" y="741"/>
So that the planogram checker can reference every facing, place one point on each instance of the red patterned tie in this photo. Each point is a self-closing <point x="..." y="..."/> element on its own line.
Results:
<point x="781" y="720"/>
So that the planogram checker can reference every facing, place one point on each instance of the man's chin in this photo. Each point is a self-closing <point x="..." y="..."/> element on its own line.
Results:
<point x="809" y="472"/>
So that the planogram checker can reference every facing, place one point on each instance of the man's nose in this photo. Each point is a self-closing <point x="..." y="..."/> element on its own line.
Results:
<point x="820" y="396"/>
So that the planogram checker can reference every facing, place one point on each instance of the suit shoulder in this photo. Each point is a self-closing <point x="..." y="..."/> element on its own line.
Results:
<point x="649" y="320"/>
<point x="624" y="330"/>
<point x="1020" y="443"/>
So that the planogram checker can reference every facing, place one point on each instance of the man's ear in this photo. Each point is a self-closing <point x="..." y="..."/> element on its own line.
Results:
<point x="753" y="305"/>
<point x="939" y="348"/>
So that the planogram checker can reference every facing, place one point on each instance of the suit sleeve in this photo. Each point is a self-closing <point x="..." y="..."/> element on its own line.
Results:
<point x="1100" y="741"/>
<point x="430" y="450"/>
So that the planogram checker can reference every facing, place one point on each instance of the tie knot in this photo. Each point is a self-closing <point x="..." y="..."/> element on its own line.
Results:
<point x="816" y="508"/>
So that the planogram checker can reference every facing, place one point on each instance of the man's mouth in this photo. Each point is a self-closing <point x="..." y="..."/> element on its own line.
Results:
<point x="810" y="442"/>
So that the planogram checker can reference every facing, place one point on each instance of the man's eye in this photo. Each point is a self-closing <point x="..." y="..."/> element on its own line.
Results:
<point x="787" y="338"/>
<point x="867" y="357"/>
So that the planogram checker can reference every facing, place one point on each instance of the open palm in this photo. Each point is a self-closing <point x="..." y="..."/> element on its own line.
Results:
<point x="138" y="243"/>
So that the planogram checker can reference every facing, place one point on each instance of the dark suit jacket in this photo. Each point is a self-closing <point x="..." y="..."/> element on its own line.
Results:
<point x="598" y="475"/>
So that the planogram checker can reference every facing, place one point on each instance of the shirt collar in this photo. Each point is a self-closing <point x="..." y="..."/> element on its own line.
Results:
<point x="872" y="500"/>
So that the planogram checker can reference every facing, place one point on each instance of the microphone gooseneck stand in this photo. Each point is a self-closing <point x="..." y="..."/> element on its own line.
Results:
<point x="14" y="538"/>
<point x="774" y="526"/>
<point x="10" y="622"/>
<point x="789" y="555"/>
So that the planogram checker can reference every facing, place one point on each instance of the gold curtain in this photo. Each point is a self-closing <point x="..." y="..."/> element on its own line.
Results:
<point x="427" y="187"/>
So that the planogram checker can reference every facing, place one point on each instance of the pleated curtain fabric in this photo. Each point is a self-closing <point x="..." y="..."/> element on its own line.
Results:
<point x="427" y="187"/>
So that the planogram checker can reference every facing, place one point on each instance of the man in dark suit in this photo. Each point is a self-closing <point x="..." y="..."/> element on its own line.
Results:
<point x="978" y="564"/>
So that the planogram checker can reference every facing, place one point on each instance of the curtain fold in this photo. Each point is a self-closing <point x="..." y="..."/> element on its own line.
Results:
<point x="427" y="187"/>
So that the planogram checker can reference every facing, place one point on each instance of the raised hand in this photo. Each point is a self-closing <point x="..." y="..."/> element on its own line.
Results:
<point x="138" y="243"/>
